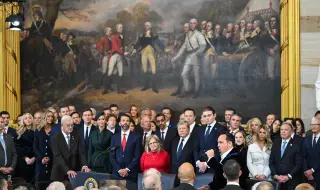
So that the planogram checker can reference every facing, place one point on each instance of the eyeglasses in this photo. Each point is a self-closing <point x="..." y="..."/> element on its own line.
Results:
<point x="314" y="125"/>
<point x="161" y="120"/>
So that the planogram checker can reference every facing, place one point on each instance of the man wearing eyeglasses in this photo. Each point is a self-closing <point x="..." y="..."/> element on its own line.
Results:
<point x="166" y="134"/>
<point x="311" y="165"/>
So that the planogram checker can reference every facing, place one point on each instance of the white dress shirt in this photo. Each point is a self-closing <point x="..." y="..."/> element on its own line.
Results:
<point x="85" y="130"/>
<point x="258" y="161"/>
<point x="112" y="130"/>
<point x="317" y="138"/>
<point x="168" y="123"/>
<point x="185" y="140"/>
<point x="165" y="131"/>
<point x="192" y="126"/>
<point x="234" y="132"/>
<point x="212" y="126"/>
<point x="233" y="183"/>
<point x="224" y="155"/>
<point x="127" y="135"/>
<point x="66" y="137"/>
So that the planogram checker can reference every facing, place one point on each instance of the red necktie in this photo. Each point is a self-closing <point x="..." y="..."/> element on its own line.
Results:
<point x="5" y="131"/>
<point x="124" y="142"/>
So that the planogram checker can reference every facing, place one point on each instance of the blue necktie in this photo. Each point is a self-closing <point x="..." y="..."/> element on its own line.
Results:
<point x="4" y="148"/>
<point x="283" y="147"/>
<point x="180" y="148"/>
<point x="68" y="141"/>
<point x="207" y="133"/>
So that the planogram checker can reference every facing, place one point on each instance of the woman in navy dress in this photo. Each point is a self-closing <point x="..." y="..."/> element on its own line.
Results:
<point x="24" y="146"/>
<point x="42" y="148"/>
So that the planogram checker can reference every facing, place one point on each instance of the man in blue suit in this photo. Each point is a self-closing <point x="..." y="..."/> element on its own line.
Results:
<point x="311" y="166"/>
<point x="207" y="138"/>
<point x="125" y="159"/>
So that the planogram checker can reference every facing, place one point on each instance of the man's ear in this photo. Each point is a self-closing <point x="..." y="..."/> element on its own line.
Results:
<point x="240" y="173"/>
<point x="224" y="175"/>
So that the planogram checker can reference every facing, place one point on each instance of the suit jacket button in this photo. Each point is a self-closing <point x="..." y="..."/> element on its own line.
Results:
<point x="46" y="147"/>
<point x="122" y="156"/>
<point x="46" y="153"/>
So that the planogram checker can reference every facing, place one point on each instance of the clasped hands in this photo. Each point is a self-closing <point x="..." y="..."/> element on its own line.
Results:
<point x="282" y="178"/>
<point x="123" y="172"/>
<point x="6" y="170"/>
<point x="260" y="177"/>
<point x="309" y="175"/>
<point x="29" y="161"/>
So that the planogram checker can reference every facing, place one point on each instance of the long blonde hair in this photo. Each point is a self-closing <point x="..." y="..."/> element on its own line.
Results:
<point x="268" y="141"/>
<point x="43" y="123"/>
<point x="22" y="127"/>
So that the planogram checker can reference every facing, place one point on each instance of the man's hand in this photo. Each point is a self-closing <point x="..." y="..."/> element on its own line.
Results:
<point x="27" y="160"/>
<point x="271" y="51"/>
<point x="71" y="174"/>
<point x="123" y="172"/>
<point x="86" y="169"/>
<point x="202" y="167"/>
<point x="308" y="172"/>
<point x="260" y="177"/>
<point x="45" y="160"/>
<point x="32" y="160"/>
<point x="205" y="187"/>
<point x="310" y="178"/>
<point x="210" y="154"/>
<point x="283" y="179"/>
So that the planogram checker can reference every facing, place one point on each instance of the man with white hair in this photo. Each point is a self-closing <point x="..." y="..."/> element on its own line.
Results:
<point x="311" y="165"/>
<point x="146" y="43"/>
<point x="104" y="48"/>
<point x="193" y="47"/>
<point x="116" y="60"/>
<point x="151" y="180"/>
<point x="56" y="185"/>
<point x="68" y="153"/>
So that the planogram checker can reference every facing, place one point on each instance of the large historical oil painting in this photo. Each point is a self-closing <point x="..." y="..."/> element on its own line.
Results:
<point x="152" y="53"/>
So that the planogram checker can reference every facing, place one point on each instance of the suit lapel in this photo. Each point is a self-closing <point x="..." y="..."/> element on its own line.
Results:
<point x="289" y="146"/>
<point x="72" y="142"/>
<point x="64" y="142"/>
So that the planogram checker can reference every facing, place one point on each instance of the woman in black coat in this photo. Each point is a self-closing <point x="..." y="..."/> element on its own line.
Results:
<point x="42" y="148"/>
<point x="99" y="142"/>
<point x="242" y="147"/>
<point x="24" y="146"/>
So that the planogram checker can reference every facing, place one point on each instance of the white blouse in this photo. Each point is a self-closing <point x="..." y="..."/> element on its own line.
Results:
<point x="258" y="161"/>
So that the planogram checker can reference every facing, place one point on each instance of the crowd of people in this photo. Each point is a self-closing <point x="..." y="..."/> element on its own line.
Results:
<point x="55" y="144"/>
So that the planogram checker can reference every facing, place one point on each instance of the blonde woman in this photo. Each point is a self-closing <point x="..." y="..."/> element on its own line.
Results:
<point x="134" y="113"/>
<point x="259" y="154"/>
<point x="42" y="147"/>
<point x="154" y="156"/>
<point x="252" y="125"/>
<point x="24" y="146"/>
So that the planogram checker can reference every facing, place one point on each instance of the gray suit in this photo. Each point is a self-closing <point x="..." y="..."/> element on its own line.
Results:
<point x="193" y="46"/>
<point x="11" y="154"/>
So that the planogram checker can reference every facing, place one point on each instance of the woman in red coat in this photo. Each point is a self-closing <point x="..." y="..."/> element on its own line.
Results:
<point x="154" y="156"/>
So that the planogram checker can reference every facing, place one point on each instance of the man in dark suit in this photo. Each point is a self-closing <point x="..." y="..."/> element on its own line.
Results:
<point x="235" y="124"/>
<point x="311" y="166"/>
<point x="68" y="154"/>
<point x="232" y="172"/>
<point x="7" y="129"/>
<point x="286" y="159"/>
<point x="8" y="154"/>
<point x="165" y="134"/>
<point x="168" y="113"/>
<point x="228" y="152"/>
<point x="125" y="159"/>
<point x="145" y="123"/>
<point x="182" y="148"/>
<point x="186" y="175"/>
<point x="86" y="129"/>
<point x="190" y="118"/>
<point x="207" y="138"/>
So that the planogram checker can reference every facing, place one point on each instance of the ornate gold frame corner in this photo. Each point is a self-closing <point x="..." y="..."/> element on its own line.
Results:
<point x="290" y="58"/>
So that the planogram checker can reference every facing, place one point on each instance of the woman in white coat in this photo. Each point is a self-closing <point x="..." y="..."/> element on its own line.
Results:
<point x="259" y="154"/>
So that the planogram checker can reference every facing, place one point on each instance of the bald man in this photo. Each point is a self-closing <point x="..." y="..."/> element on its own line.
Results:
<point x="186" y="175"/>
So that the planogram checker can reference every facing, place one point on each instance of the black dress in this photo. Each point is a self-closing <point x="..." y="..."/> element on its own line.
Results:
<point x="24" y="147"/>
<point x="42" y="148"/>
<point x="242" y="153"/>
